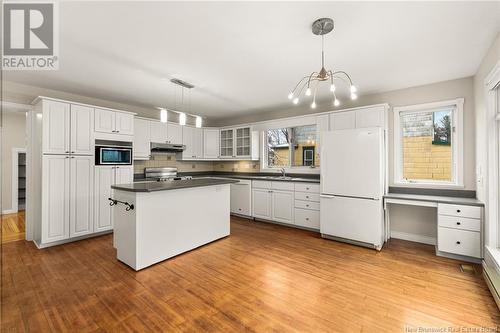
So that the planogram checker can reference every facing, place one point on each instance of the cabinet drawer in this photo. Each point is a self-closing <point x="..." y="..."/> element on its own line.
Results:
<point x="457" y="222"/>
<point x="467" y="243"/>
<point x="306" y="196"/>
<point x="284" y="186"/>
<point x="307" y="218"/>
<point x="307" y="187"/>
<point x="261" y="184"/>
<point x="307" y="204"/>
<point x="460" y="210"/>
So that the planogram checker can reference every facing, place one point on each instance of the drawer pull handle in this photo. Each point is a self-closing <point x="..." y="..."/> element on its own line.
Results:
<point x="307" y="205"/>
<point x="307" y="196"/>
<point x="307" y="188"/>
<point x="458" y="210"/>
<point x="307" y="219"/>
<point x="458" y="223"/>
<point x="458" y="242"/>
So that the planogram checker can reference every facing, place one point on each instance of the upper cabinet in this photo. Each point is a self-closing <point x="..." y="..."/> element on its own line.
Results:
<point x="359" y="118"/>
<point x="114" y="122"/>
<point x="158" y="131"/>
<point x="240" y="143"/>
<point x="211" y="143"/>
<point x="192" y="138"/>
<point x="141" y="148"/>
<point x="82" y="130"/>
<point x="174" y="133"/>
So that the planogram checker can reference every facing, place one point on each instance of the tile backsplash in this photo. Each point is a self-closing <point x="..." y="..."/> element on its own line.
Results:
<point x="237" y="166"/>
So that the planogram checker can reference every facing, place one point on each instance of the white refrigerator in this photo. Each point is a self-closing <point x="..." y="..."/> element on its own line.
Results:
<point x="352" y="186"/>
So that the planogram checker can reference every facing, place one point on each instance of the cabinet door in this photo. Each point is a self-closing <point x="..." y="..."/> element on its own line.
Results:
<point x="142" y="148"/>
<point x="174" y="133"/>
<point x="55" y="198"/>
<point x="104" y="121"/>
<point x="283" y="206"/>
<point x="124" y="123"/>
<point x="158" y="131"/>
<point x="198" y="142"/>
<point x="104" y="177"/>
<point x="56" y="127"/>
<point x="261" y="203"/>
<point x="243" y="142"/>
<point x="188" y="141"/>
<point x="241" y="198"/>
<point x="210" y="143"/>
<point x="82" y="130"/>
<point x="81" y="195"/>
<point x="227" y="143"/>
<point x="124" y="174"/>
<point x="370" y="117"/>
<point x="343" y="120"/>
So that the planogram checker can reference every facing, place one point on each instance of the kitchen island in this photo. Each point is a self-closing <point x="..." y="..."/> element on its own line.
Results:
<point x="168" y="218"/>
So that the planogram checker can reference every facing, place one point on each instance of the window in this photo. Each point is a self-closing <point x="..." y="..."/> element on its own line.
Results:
<point x="291" y="147"/>
<point x="428" y="144"/>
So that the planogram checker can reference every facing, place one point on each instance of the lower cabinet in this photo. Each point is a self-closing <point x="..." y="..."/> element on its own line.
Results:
<point x="241" y="197"/>
<point x="67" y="206"/>
<point x="261" y="203"/>
<point x="105" y="177"/>
<point x="282" y="210"/>
<point x="273" y="201"/>
<point x="307" y="218"/>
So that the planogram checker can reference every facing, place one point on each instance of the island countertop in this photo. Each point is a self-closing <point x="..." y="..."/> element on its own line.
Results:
<point x="153" y="186"/>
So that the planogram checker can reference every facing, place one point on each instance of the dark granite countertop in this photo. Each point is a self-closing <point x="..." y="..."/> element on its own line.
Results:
<point x="304" y="178"/>
<point x="153" y="186"/>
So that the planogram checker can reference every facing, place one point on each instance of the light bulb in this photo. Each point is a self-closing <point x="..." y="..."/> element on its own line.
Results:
<point x="163" y="116"/>
<point x="290" y="95"/>
<point x="296" y="100"/>
<point x="308" y="91"/>
<point x="353" y="96"/>
<point x="198" y="121"/>
<point x="182" y="119"/>
<point x="332" y="88"/>
<point x="353" y="89"/>
<point x="336" y="102"/>
<point x="313" y="105"/>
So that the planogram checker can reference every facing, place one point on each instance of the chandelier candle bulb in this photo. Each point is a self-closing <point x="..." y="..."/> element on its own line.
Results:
<point x="290" y="95"/>
<point x="295" y="100"/>
<point x="354" y="96"/>
<point x="313" y="105"/>
<point x="336" y="102"/>
<point x="332" y="88"/>
<point x="353" y="89"/>
<point x="308" y="91"/>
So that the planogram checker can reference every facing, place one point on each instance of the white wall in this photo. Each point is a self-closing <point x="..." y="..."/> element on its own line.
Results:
<point x="13" y="136"/>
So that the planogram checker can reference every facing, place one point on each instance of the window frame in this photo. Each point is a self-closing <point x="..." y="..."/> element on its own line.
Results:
<point x="457" y="136"/>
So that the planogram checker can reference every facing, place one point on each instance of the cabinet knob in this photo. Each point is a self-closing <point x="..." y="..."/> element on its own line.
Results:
<point x="458" y="210"/>
<point x="67" y="151"/>
<point x="307" y="196"/>
<point x="239" y="208"/>
<point x="307" y="219"/>
<point x="307" y="205"/>
<point x="458" y="242"/>
<point x="307" y="188"/>
<point x="458" y="223"/>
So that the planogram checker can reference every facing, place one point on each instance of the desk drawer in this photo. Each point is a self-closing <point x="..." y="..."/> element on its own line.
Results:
<point x="305" y="196"/>
<point x="307" y="218"/>
<point x="307" y="204"/>
<point x="307" y="187"/>
<point x="467" y="243"/>
<point x="457" y="222"/>
<point x="473" y="212"/>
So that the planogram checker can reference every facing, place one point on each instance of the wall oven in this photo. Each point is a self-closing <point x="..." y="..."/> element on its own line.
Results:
<point x="113" y="155"/>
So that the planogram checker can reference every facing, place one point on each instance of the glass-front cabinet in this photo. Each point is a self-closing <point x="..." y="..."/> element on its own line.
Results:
<point x="243" y="144"/>
<point x="236" y="142"/>
<point x="227" y="143"/>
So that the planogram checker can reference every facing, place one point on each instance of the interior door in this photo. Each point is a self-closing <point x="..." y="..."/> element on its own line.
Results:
<point x="81" y="195"/>
<point x="82" y="130"/>
<point x="56" y="127"/>
<point x="352" y="162"/>
<point x="352" y="218"/>
<point x="55" y="198"/>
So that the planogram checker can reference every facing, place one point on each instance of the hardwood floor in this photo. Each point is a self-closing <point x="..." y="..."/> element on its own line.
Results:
<point x="12" y="227"/>
<point x="262" y="278"/>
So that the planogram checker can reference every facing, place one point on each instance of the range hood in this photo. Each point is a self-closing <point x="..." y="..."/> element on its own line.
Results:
<point x="166" y="147"/>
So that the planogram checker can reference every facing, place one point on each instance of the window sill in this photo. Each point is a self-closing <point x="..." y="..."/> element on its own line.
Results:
<point x="429" y="185"/>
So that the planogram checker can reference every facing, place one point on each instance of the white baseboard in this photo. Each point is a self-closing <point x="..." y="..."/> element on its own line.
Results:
<point x="8" y="211"/>
<point x="413" y="237"/>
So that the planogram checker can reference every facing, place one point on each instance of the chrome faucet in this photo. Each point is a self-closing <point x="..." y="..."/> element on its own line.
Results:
<point x="283" y="172"/>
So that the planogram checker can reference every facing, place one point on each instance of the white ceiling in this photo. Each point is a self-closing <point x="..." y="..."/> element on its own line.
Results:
<point x="244" y="57"/>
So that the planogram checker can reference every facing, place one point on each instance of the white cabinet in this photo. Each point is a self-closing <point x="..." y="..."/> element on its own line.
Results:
<point x="104" y="178"/>
<point x="261" y="203"/>
<point x="192" y="138"/>
<point x="307" y="198"/>
<point x="241" y="197"/>
<point x="141" y="148"/>
<point x="359" y="118"/>
<point x="158" y="132"/>
<point x="55" y="198"/>
<point x="56" y="127"/>
<point x="115" y="122"/>
<point x="211" y="143"/>
<point x="239" y="143"/>
<point x="174" y="133"/>
<point x="343" y="120"/>
<point x="81" y="195"/>
<point x="282" y="206"/>
<point x="82" y="130"/>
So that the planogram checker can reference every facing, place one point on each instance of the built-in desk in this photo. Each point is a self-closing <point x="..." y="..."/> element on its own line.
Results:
<point x="460" y="223"/>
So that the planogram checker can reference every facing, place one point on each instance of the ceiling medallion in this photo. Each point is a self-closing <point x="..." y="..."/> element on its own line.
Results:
<point x="321" y="27"/>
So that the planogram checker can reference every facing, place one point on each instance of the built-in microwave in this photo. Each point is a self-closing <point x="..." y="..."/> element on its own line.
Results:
<point x="113" y="155"/>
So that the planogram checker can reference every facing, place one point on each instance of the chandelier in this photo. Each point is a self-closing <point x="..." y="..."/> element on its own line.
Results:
<point x="321" y="27"/>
